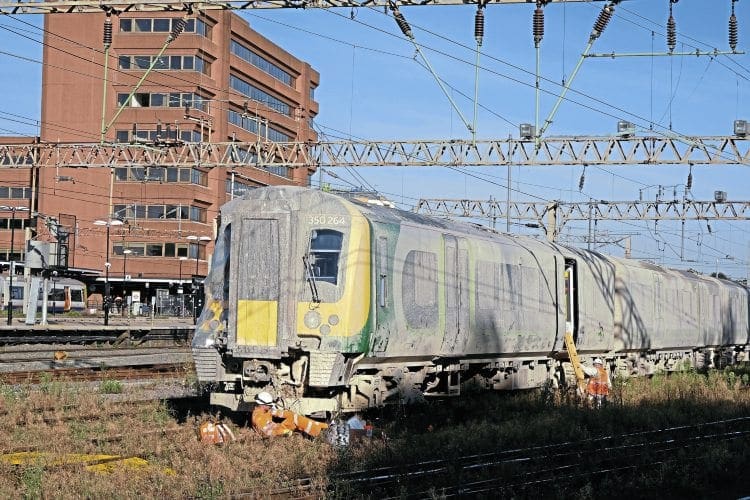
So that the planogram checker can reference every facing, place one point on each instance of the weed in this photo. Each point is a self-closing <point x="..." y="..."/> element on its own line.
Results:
<point x="109" y="386"/>
<point x="9" y="393"/>
<point x="158" y="414"/>
<point x="31" y="479"/>
<point x="79" y="431"/>
<point x="210" y="490"/>
<point x="48" y="385"/>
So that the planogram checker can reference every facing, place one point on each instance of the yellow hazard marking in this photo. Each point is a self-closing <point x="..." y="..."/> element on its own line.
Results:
<point x="257" y="322"/>
<point x="92" y="463"/>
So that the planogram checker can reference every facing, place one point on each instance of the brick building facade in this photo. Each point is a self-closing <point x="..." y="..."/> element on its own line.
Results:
<point x="218" y="81"/>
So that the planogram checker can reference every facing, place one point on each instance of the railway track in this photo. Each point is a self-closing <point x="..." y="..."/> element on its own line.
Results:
<point x="69" y="359"/>
<point x="130" y="374"/>
<point x="530" y="470"/>
<point x="89" y="334"/>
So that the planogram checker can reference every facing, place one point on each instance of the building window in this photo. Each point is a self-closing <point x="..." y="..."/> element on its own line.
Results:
<point x="183" y="175"/>
<point x="150" y="249"/>
<point x="163" y="25"/>
<point x="163" y="100"/>
<point x="239" y="188"/>
<point x="18" y="256"/>
<point x="17" y="223"/>
<point x="254" y="93"/>
<point x="160" y="212"/>
<point x="280" y="170"/>
<point x="261" y="63"/>
<point x="312" y="93"/>
<point x="153" y="136"/>
<point x="250" y="123"/>
<point x="18" y="193"/>
<point x="168" y="63"/>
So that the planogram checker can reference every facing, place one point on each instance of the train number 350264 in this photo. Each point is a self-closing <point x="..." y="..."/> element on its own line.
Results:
<point x="326" y="220"/>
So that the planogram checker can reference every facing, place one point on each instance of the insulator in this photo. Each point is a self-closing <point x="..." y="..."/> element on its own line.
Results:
<point x="402" y="24"/>
<point x="538" y="26"/>
<point x="601" y="22"/>
<point x="107" y="39"/>
<point x="671" y="33"/>
<point x="177" y="26"/>
<point x="479" y="26"/>
<point x="582" y="180"/>
<point x="733" y="32"/>
<point x="689" y="184"/>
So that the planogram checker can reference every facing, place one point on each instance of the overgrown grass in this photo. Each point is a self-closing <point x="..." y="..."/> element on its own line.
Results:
<point x="56" y="418"/>
<point x="109" y="386"/>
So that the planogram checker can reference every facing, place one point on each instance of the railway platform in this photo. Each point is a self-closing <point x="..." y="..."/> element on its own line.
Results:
<point x="90" y="329"/>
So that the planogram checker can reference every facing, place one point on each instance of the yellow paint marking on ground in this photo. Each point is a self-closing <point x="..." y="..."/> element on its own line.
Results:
<point x="93" y="463"/>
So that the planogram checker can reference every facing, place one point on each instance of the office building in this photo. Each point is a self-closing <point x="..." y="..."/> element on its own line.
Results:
<point x="217" y="81"/>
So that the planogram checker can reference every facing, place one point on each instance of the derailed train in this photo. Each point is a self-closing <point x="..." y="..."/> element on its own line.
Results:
<point x="338" y="305"/>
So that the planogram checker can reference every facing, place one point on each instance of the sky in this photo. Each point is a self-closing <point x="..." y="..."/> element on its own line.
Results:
<point x="374" y="87"/>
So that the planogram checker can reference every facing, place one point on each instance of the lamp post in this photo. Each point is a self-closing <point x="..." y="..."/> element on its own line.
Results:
<point x="108" y="223"/>
<point x="125" y="254"/>
<point x="11" y="260"/>
<point x="197" y="240"/>
<point x="180" y="291"/>
<point x="182" y="259"/>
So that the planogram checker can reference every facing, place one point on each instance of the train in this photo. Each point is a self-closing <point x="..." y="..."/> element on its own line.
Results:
<point x="64" y="294"/>
<point x="338" y="304"/>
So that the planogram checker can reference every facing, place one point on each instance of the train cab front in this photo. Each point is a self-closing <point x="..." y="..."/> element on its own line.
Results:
<point x="294" y="279"/>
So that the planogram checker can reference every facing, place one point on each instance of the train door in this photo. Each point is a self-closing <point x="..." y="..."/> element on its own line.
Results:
<point x="384" y="300"/>
<point x="456" y="281"/>
<point x="571" y="298"/>
<point x="261" y="269"/>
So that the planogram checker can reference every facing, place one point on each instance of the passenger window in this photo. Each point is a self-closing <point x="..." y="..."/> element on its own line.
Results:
<point x="325" y="248"/>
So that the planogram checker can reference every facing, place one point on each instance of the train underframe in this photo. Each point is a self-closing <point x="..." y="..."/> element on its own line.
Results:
<point x="320" y="383"/>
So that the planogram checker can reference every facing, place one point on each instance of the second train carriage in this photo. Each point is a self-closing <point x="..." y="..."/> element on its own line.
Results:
<point x="339" y="305"/>
<point x="64" y="294"/>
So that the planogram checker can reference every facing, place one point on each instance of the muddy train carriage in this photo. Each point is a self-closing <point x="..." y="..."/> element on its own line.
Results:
<point x="665" y="319"/>
<point x="340" y="305"/>
<point x="288" y="298"/>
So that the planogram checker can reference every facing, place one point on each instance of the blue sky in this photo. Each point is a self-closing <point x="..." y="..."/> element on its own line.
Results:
<point x="372" y="87"/>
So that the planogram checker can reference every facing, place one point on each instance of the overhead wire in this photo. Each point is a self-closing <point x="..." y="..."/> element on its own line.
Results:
<point x="602" y="169"/>
<point x="461" y="93"/>
<point x="669" y="132"/>
<point x="674" y="92"/>
<point x="683" y="36"/>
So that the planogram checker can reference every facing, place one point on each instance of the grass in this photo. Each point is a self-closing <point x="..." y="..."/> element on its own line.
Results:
<point x="109" y="386"/>
<point x="57" y="417"/>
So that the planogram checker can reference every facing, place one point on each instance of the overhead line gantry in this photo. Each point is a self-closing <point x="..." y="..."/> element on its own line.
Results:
<point x="86" y="6"/>
<point x="558" y="213"/>
<point x="549" y="151"/>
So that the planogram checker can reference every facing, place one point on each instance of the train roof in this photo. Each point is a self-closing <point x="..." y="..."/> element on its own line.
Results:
<point x="375" y="208"/>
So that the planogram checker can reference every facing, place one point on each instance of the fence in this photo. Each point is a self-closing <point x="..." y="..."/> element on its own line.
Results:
<point x="180" y="306"/>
